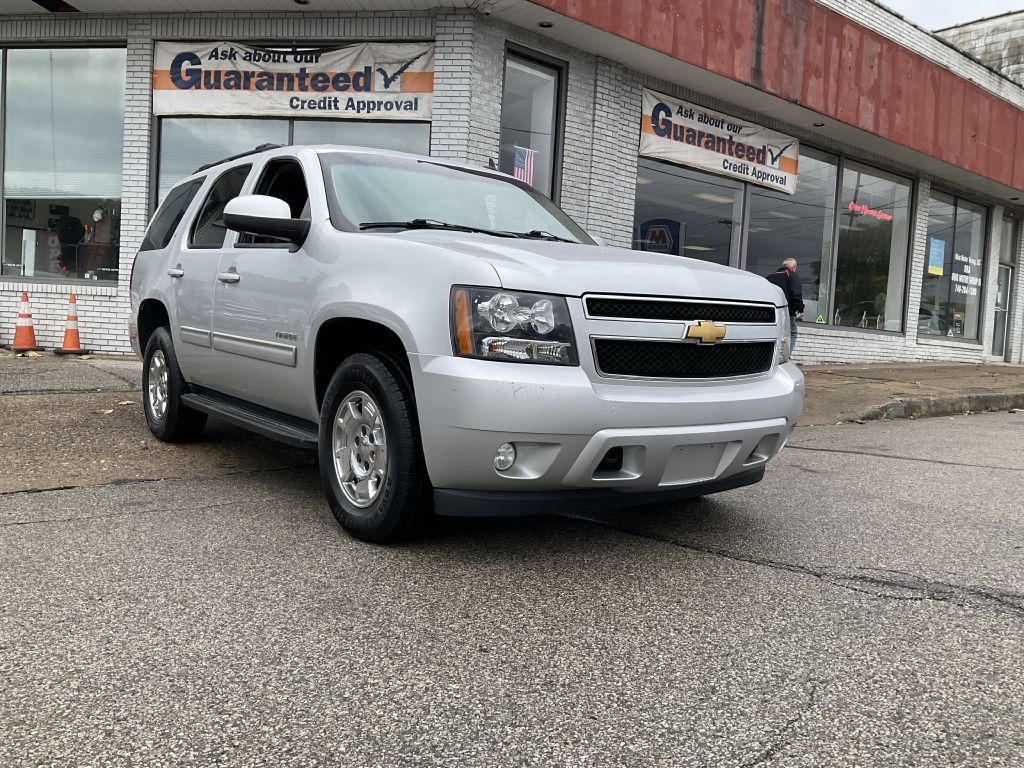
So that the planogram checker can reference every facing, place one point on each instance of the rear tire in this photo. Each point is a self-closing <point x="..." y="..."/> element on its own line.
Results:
<point x="371" y="457"/>
<point x="169" y="419"/>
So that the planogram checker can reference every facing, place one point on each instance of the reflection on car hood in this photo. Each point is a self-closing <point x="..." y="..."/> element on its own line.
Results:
<point x="572" y="269"/>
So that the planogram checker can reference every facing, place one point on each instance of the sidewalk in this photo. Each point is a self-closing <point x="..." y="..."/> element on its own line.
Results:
<point x="839" y="393"/>
<point x="835" y="393"/>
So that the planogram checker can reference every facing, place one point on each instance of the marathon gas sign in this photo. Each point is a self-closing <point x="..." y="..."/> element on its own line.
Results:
<point x="381" y="81"/>
<point x="684" y="133"/>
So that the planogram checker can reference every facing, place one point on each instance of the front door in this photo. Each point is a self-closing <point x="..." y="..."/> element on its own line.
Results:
<point x="262" y="301"/>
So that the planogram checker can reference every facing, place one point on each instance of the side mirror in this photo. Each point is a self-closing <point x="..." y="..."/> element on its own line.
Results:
<point x="267" y="216"/>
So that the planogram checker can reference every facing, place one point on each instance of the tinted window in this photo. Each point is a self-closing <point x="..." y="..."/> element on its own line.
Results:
<point x="953" y="269"/>
<point x="208" y="231"/>
<point x="797" y="226"/>
<point x="684" y="212"/>
<point x="871" y="259"/>
<point x="169" y="216"/>
<point x="186" y="143"/>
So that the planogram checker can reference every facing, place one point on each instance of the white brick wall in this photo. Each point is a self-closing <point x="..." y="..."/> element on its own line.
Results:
<point x="101" y="317"/>
<point x="453" y="86"/>
<point x="616" y="145"/>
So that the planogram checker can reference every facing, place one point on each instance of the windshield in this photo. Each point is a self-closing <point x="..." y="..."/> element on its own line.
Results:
<point x="368" y="189"/>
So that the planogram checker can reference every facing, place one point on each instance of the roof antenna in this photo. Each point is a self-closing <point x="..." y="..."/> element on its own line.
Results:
<point x="491" y="165"/>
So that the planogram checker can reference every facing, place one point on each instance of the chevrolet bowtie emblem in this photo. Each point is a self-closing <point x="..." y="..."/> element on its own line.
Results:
<point x="706" y="332"/>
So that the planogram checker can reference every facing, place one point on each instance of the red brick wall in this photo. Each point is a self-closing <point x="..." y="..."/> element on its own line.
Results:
<point x="819" y="59"/>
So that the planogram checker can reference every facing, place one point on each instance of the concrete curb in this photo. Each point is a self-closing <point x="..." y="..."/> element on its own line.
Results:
<point x="944" y="405"/>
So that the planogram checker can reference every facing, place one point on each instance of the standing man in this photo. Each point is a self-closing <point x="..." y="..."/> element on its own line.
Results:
<point x="786" y="278"/>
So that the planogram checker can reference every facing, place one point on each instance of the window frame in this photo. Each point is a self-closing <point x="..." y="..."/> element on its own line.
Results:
<point x="561" y="67"/>
<point x="829" y="277"/>
<point x="913" y="204"/>
<point x="986" y="239"/>
<point x="5" y="47"/>
<point x="841" y="162"/>
<point x="1015" y="227"/>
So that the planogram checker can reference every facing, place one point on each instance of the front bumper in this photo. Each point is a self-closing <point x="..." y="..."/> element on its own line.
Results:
<point x="675" y="438"/>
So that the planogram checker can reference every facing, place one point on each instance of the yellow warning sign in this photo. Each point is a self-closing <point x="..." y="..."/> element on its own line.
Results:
<point x="820" y="320"/>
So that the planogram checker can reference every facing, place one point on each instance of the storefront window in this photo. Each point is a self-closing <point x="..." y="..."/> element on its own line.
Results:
<point x="529" y="122"/>
<point x="186" y="143"/>
<point x="797" y="226"/>
<point x="687" y="213"/>
<point x="400" y="137"/>
<point x="62" y="163"/>
<point x="954" y="256"/>
<point x="871" y="257"/>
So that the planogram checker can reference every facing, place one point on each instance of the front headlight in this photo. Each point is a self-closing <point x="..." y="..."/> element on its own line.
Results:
<point x="783" y="320"/>
<point x="514" y="326"/>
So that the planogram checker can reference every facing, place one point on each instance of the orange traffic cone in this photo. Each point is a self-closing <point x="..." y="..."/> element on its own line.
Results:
<point x="24" y="332"/>
<point x="72" y="345"/>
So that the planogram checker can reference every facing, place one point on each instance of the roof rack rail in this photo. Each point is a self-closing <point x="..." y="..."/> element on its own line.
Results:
<point x="260" y="148"/>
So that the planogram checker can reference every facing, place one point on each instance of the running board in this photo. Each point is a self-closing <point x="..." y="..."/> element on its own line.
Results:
<point x="262" y="421"/>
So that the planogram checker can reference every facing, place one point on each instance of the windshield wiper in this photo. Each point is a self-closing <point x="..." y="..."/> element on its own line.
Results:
<point x="540" y="234"/>
<point x="432" y="224"/>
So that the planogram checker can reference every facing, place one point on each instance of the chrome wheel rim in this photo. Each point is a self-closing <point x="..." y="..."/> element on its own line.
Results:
<point x="360" y="449"/>
<point x="157" y="385"/>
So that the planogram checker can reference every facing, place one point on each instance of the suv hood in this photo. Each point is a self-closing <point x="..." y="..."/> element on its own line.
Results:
<point x="544" y="266"/>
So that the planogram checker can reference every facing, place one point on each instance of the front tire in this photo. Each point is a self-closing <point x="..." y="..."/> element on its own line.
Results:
<point x="169" y="419"/>
<point x="371" y="458"/>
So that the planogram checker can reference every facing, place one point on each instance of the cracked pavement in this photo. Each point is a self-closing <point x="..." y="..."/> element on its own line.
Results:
<point x="197" y="605"/>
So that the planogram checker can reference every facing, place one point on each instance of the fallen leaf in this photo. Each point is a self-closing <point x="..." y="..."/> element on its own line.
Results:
<point x="105" y="412"/>
<point x="85" y="357"/>
<point x="127" y="402"/>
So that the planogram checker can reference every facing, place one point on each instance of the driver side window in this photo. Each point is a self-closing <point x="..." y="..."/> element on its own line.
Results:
<point x="284" y="180"/>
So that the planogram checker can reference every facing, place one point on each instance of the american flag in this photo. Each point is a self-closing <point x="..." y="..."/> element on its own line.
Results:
<point x="522" y="168"/>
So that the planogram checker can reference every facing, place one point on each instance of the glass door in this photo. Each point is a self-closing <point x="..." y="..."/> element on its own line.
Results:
<point x="1000" y="326"/>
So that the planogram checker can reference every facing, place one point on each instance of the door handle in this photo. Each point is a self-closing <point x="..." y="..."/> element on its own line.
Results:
<point x="176" y="272"/>
<point x="229" y="277"/>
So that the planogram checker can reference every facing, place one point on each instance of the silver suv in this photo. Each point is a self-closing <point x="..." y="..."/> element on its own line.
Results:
<point x="446" y="338"/>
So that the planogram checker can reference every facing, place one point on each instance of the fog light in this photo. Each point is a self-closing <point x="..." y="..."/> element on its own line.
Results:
<point x="504" y="457"/>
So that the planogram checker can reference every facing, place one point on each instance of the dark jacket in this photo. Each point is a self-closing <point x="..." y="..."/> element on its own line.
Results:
<point x="789" y="282"/>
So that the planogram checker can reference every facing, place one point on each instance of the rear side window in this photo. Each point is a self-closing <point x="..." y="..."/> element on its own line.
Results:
<point x="169" y="216"/>
<point x="209" y="231"/>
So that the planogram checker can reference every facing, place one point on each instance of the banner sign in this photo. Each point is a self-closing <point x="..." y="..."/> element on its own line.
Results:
<point x="380" y="81"/>
<point x="684" y="133"/>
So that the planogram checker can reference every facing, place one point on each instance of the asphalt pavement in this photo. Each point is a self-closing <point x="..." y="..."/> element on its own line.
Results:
<point x="862" y="606"/>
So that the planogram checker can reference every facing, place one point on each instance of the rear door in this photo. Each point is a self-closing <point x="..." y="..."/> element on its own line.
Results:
<point x="194" y="270"/>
